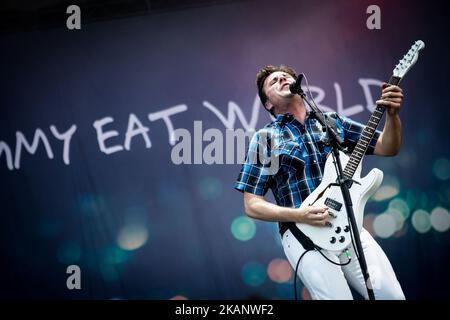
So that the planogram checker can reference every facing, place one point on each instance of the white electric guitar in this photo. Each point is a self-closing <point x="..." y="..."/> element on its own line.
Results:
<point x="338" y="237"/>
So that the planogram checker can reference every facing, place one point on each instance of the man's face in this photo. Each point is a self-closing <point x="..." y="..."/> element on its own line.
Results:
<point x="276" y="87"/>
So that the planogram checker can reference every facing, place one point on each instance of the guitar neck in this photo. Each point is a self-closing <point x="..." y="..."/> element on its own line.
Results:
<point x="366" y="136"/>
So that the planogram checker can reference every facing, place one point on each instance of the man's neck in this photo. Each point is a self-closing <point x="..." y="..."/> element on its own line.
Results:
<point x="297" y="109"/>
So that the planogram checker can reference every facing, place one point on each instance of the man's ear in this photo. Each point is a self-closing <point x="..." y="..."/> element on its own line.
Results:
<point x="268" y="106"/>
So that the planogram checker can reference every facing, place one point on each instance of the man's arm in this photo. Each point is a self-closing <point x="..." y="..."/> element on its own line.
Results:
<point x="388" y="143"/>
<point x="257" y="207"/>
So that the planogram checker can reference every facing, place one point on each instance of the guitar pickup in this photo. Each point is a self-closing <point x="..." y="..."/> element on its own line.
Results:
<point x="333" y="204"/>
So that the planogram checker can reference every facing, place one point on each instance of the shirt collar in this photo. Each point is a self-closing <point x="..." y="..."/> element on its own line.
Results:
<point x="282" y="119"/>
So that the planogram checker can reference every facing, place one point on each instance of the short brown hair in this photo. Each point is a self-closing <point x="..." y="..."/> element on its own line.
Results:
<point x="262" y="75"/>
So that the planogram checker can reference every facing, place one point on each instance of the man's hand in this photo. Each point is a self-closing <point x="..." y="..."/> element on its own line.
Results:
<point x="391" y="98"/>
<point x="316" y="216"/>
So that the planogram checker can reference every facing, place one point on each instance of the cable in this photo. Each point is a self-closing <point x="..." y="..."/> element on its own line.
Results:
<point x="338" y="264"/>
<point x="314" y="103"/>
<point x="296" y="269"/>
<point x="320" y="251"/>
<point x="309" y="92"/>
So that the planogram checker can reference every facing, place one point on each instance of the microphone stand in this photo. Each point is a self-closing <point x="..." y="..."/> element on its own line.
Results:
<point x="344" y="182"/>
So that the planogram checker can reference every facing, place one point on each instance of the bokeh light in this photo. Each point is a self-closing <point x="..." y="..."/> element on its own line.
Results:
<point x="417" y="199"/>
<point x="411" y="199"/>
<point x="401" y="206"/>
<point x="398" y="218"/>
<point x="440" y="219"/>
<point x="114" y="255"/>
<point x="253" y="274"/>
<point x="441" y="169"/>
<point x="389" y="189"/>
<point x="279" y="270"/>
<point x="421" y="221"/>
<point x="243" y="228"/>
<point x="385" y="192"/>
<point x="210" y="188"/>
<point x="132" y="237"/>
<point x="112" y="258"/>
<point x="179" y="297"/>
<point x="384" y="225"/>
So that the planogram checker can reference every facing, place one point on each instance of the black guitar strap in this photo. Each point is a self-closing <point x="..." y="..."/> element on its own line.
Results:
<point x="300" y="236"/>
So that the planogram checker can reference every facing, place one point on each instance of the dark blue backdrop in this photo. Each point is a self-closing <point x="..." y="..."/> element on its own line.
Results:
<point x="140" y="226"/>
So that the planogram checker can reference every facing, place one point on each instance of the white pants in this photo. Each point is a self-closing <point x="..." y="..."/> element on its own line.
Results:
<point x="327" y="281"/>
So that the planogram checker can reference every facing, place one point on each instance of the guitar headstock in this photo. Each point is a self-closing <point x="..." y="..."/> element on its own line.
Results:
<point x="409" y="59"/>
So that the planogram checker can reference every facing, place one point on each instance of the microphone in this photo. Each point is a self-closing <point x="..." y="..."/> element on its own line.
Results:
<point x="296" y="87"/>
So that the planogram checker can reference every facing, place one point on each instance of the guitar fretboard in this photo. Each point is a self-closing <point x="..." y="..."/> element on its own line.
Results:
<point x="366" y="136"/>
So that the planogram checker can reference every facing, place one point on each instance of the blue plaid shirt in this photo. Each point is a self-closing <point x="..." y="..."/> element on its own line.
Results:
<point x="301" y="153"/>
